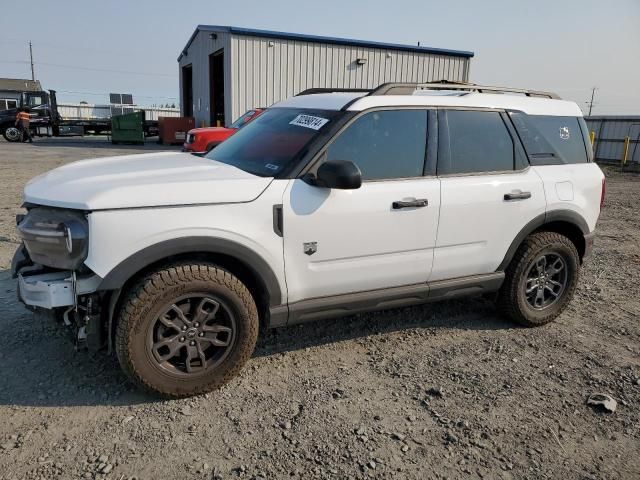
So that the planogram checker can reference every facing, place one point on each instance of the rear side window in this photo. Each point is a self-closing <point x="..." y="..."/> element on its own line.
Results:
<point x="475" y="141"/>
<point x="385" y="144"/>
<point x="551" y="140"/>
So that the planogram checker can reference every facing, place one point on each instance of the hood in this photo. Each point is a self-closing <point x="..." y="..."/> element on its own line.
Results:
<point x="143" y="180"/>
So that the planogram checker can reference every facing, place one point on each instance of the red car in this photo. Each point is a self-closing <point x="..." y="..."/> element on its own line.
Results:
<point x="204" y="139"/>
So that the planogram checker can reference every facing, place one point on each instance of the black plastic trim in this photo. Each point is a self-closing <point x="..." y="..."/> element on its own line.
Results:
<point x="568" y="216"/>
<point x="431" y="152"/>
<point x="589" y="240"/>
<point x="277" y="220"/>
<point x="348" y="304"/>
<point x="117" y="277"/>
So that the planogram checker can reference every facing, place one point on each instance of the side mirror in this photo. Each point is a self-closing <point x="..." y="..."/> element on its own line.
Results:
<point x="341" y="174"/>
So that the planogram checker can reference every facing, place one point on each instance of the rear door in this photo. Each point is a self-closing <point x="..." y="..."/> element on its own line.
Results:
<point x="488" y="192"/>
<point x="345" y="241"/>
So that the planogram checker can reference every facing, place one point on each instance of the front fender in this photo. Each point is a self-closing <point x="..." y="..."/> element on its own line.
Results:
<point x="133" y="264"/>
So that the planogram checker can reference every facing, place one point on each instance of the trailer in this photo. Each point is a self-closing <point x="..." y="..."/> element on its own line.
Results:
<point x="48" y="118"/>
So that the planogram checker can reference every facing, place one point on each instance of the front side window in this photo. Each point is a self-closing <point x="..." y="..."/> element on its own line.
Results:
<point x="273" y="140"/>
<point x="384" y="144"/>
<point x="474" y="142"/>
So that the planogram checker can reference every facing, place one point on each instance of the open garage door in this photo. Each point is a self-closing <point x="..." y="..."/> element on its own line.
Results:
<point x="216" y="88"/>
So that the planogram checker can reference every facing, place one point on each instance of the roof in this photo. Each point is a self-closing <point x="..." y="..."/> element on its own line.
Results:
<point x="358" y="101"/>
<point x="321" y="39"/>
<point x="20" y="85"/>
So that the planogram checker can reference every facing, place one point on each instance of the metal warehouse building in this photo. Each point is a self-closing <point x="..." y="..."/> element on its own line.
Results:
<point x="225" y="71"/>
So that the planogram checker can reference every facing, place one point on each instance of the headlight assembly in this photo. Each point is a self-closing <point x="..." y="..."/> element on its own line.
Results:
<point x="55" y="238"/>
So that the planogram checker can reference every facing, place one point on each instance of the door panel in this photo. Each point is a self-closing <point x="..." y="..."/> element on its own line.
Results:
<point x="477" y="224"/>
<point x="361" y="242"/>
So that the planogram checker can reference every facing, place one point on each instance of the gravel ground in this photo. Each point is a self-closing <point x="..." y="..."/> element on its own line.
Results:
<point x="447" y="390"/>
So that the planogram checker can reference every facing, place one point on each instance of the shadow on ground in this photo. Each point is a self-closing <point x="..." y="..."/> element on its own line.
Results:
<point x="41" y="367"/>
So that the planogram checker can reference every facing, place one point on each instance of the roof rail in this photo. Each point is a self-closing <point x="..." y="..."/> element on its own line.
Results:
<point x="409" y="88"/>
<point x="311" y="91"/>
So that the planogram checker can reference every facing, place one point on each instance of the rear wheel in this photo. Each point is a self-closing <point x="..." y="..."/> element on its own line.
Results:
<point x="540" y="280"/>
<point x="186" y="329"/>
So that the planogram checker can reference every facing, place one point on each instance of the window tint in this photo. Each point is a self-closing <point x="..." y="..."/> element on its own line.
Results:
<point x="384" y="144"/>
<point x="551" y="140"/>
<point x="476" y="142"/>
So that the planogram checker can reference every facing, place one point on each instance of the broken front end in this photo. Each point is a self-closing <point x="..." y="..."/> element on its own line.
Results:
<point x="52" y="277"/>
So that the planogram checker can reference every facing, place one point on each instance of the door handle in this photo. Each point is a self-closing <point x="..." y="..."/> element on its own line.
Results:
<point x="419" y="203"/>
<point x="517" y="196"/>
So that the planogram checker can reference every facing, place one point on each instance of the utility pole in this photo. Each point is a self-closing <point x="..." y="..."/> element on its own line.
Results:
<point x="33" y="75"/>
<point x="593" y="92"/>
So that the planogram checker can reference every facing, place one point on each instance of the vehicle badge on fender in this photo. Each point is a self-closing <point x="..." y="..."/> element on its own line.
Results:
<point x="310" y="247"/>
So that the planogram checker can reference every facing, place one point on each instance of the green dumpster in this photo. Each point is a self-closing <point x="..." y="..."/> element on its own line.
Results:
<point x="128" y="128"/>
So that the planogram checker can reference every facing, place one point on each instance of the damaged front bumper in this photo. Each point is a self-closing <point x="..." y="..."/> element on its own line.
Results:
<point x="66" y="294"/>
<point x="54" y="289"/>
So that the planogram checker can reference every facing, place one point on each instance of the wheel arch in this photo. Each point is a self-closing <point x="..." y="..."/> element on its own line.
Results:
<point x="243" y="262"/>
<point x="565" y="222"/>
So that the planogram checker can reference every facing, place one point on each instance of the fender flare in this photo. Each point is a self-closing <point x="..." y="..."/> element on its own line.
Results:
<point x="140" y="260"/>
<point x="568" y="216"/>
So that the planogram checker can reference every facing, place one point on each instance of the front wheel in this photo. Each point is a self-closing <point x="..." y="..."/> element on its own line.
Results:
<point x="12" y="134"/>
<point x="540" y="280"/>
<point x="186" y="329"/>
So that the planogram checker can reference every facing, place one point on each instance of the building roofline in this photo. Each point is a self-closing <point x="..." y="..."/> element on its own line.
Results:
<point x="252" y="32"/>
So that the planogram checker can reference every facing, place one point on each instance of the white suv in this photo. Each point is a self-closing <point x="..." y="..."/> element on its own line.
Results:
<point x="329" y="203"/>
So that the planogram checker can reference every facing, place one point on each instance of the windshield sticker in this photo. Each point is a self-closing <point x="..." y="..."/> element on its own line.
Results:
<point x="309" y="121"/>
<point x="271" y="166"/>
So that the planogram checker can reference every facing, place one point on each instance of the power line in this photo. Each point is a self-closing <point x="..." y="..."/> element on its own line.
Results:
<point x="68" y="47"/>
<point x="77" y="67"/>
<point x="106" y="94"/>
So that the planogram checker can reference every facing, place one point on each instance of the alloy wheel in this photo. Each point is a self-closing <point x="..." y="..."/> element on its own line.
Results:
<point x="192" y="335"/>
<point x="546" y="280"/>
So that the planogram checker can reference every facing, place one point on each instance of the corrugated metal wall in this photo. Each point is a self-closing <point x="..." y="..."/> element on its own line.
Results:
<point x="198" y="57"/>
<point x="261" y="71"/>
<point x="265" y="71"/>
<point x="610" y="132"/>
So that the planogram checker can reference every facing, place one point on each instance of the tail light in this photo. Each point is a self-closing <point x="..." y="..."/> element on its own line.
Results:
<point x="604" y="188"/>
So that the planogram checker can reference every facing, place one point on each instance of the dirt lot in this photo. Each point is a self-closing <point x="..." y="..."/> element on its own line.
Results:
<point x="442" y="391"/>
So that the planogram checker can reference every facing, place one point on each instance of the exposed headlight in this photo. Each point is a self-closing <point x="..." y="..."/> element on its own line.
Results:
<point x="55" y="238"/>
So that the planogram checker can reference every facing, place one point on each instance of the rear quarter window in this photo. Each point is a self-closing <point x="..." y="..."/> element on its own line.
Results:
<point x="552" y="140"/>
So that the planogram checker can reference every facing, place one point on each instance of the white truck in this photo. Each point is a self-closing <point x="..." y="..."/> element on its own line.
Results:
<point x="326" y="205"/>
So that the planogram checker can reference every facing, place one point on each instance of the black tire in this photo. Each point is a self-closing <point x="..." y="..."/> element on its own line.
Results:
<point x="529" y="309"/>
<point x="141" y="332"/>
<point x="11" y="134"/>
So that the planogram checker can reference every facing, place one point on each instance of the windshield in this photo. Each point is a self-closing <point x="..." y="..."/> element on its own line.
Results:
<point x="273" y="140"/>
<point x="242" y="121"/>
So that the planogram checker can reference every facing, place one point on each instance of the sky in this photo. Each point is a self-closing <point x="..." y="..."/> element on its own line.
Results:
<point x="86" y="49"/>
